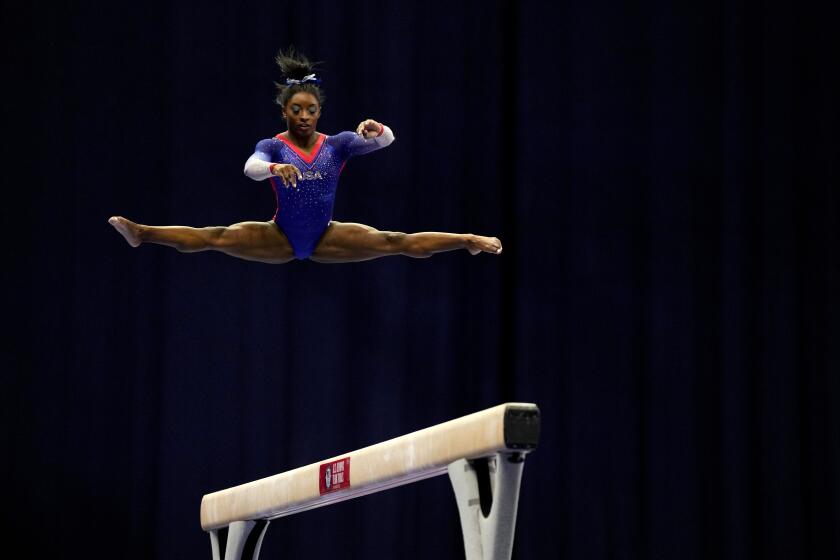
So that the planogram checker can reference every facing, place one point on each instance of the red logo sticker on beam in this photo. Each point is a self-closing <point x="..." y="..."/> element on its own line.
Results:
<point x="334" y="476"/>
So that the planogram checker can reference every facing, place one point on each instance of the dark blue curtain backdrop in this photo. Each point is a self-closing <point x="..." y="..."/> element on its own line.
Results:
<point x="664" y="178"/>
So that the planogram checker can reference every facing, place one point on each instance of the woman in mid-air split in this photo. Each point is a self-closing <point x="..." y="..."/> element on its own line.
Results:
<point x="303" y="166"/>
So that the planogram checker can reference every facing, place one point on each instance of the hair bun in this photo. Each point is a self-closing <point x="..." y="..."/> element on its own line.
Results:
<point x="294" y="64"/>
<point x="299" y="75"/>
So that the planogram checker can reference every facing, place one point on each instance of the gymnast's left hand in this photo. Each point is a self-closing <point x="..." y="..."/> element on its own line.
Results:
<point x="369" y="128"/>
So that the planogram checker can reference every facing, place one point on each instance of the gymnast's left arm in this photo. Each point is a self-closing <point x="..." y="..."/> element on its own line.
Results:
<point x="369" y="128"/>
<point x="371" y="135"/>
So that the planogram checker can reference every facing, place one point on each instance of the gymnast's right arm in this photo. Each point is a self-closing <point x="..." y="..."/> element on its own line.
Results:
<point x="259" y="166"/>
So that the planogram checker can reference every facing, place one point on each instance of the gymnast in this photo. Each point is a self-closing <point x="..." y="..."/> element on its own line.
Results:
<point x="303" y="166"/>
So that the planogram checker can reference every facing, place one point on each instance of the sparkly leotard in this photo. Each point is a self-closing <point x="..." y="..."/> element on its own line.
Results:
<point x="303" y="213"/>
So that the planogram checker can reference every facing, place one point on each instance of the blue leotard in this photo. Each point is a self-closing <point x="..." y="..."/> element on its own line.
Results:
<point x="303" y="213"/>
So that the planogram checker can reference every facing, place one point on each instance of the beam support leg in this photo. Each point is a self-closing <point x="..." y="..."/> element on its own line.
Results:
<point x="487" y="493"/>
<point x="240" y="540"/>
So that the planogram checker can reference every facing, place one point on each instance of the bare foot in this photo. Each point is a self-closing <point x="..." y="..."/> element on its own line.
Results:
<point x="127" y="228"/>
<point x="477" y="243"/>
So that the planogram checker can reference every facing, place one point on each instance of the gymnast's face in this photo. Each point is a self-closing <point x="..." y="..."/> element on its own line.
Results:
<point x="302" y="113"/>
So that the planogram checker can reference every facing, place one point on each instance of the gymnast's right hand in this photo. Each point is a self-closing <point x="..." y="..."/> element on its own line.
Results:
<point x="287" y="172"/>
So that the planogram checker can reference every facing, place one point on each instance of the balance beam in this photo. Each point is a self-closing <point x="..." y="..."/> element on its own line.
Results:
<point x="483" y="453"/>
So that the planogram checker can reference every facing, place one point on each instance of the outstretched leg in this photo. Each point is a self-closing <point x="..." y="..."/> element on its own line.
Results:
<point x="253" y="241"/>
<point x="347" y="242"/>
